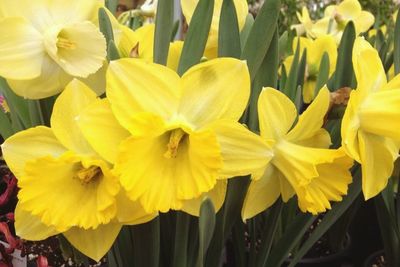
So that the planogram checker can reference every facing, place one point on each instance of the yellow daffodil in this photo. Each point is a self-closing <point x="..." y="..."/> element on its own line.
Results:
<point x="242" y="9"/>
<point x="370" y="127"/>
<point x="180" y="134"/>
<point x="139" y="44"/>
<point x="65" y="186"/>
<point x="306" y="24"/>
<point x="43" y="44"/>
<point x="337" y="16"/>
<point x="315" y="51"/>
<point x="301" y="163"/>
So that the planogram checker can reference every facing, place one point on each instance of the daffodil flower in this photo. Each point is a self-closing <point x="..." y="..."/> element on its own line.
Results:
<point x="180" y="134"/>
<point x="65" y="186"/>
<point x="301" y="164"/>
<point x="140" y="43"/>
<point x="306" y="24"/>
<point x="337" y="16"/>
<point x="242" y="9"/>
<point x="315" y="51"/>
<point x="370" y="127"/>
<point x="44" y="45"/>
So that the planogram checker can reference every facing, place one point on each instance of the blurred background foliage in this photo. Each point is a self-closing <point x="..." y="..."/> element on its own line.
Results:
<point x="382" y="9"/>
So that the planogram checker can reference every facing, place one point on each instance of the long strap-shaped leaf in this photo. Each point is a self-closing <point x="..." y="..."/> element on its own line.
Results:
<point x="228" y="34"/>
<point x="197" y="35"/>
<point x="206" y="228"/>
<point x="260" y="36"/>
<point x="397" y="45"/>
<point x="331" y="217"/>
<point x="163" y="32"/>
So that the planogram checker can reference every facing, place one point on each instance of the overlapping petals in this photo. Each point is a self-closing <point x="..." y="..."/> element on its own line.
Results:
<point x="369" y="130"/>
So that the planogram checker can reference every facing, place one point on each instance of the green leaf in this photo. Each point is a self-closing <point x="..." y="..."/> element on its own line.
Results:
<point x="397" y="45"/>
<point x="112" y="5"/>
<point x="206" y="228"/>
<point x="268" y="232"/>
<point x="146" y="243"/>
<point x="175" y="29"/>
<point x="290" y="238"/>
<point x="266" y="77"/>
<point x="112" y="51"/>
<point x="344" y="66"/>
<point x="331" y="217"/>
<point x="291" y="83"/>
<point x="35" y="113"/>
<point x="121" y="253"/>
<point x="181" y="239"/>
<point x="6" y="129"/>
<point x="228" y="33"/>
<point x="163" y="31"/>
<point x="244" y="34"/>
<point x="197" y="35"/>
<point x="105" y="26"/>
<point x="261" y="35"/>
<point x="18" y="106"/>
<point x="323" y="74"/>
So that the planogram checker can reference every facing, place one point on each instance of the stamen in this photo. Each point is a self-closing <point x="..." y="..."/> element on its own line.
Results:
<point x="174" y="140"/>
<point x="65" y="43"/>
<point x="90" y="174"/>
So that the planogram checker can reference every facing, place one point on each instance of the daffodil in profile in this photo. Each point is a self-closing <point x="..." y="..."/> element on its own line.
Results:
<point x="43" y="44"/>
<point x="370" y="127"/>
<point x="306" y="24"/>
<point x="180" y="134"/>
<point x="301" y="164"/>
<point x="65" y="186"/>
<point x="315" y="51"/>
<point x="242" y="9"/>
<point x="336" y="18"/>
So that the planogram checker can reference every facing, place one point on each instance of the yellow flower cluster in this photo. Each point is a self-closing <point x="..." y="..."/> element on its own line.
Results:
<point x="159" y="141"/>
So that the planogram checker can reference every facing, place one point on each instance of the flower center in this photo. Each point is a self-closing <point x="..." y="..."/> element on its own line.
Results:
<point x="87" y="175"/>
<point x="65" y="43"/>
<point x="175" y="138"/>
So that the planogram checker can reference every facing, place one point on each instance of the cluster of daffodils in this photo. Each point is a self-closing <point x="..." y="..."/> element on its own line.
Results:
<point x="157" y="141"/>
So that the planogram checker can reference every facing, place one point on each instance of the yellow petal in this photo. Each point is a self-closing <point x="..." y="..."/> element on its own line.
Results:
<point x="29" y="227"/>
<point x="188" y="7"/>
<point x="21" y="49"/>
<point x="349" y="9"/>
<point x="74" y="10"/>
<point x="350" y="127"/>
<point x="216" y="89"/>
<point x="364" y="21"/>
<point x="127" y="42"/>
<point x="377" y="155"/>
<point x="380" y="114"/>
<point x="217" y="196"/>
<point x="97" y="80"/>
<point x="287" y="191"/>
<point x="243" y="152"/>
<point x="312" y="119"/>
<point x="30" y="144"/>
<point x="191" y="170"/>
<point x="94" y="243"/>
<point x="276" y="112"/>
<point x="135" y="86"/>
<point x="145" y="37"/>
<point x="37" y="12"/>
<point x="51" y="81"/>
<point x="102" y="130"/>
<point x="309" y="90"/>
<point x="68" y="106"/>
<point x="261" y="193"/>
<point x="174" y="55"/>
<point x="316" y="50"/>
<point x="368" y="67"/>
<point x="52" y="190"/>
<point x="131" y="212"/>
<point x="79" y="48"/>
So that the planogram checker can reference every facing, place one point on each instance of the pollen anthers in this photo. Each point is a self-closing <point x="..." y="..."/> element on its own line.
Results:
<point x="87" y="175"/>
<point x="175" y="138"/>
<point x="65" y="43"/>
